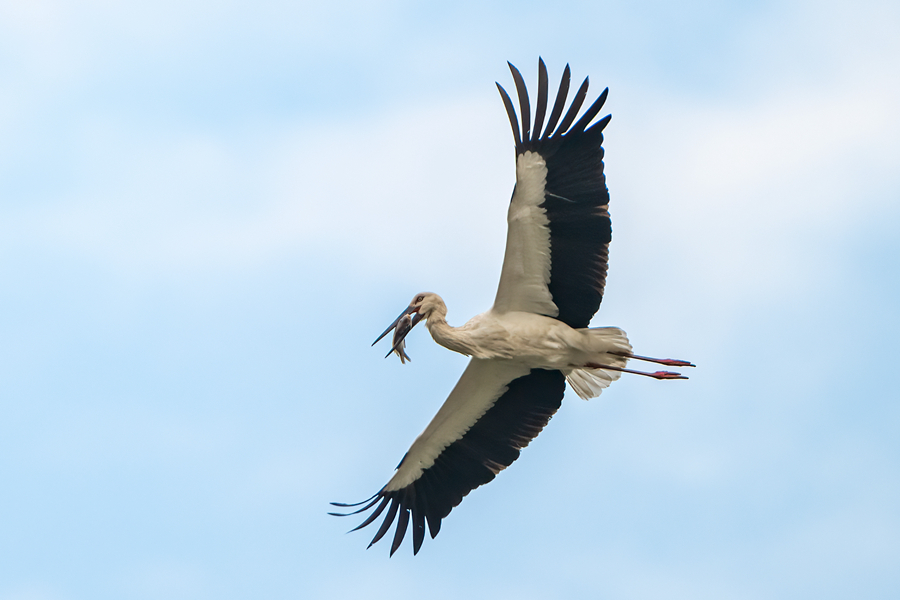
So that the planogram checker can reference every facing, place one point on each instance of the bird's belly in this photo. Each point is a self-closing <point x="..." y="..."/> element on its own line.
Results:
<point x="543" y="354"/>
<point x="534" y="340"/>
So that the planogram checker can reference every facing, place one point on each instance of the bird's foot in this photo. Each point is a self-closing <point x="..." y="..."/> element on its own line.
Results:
<point x="674" y="362"/>
<point x="666" y="375"/>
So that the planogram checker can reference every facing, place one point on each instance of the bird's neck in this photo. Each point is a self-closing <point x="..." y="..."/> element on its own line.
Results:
<point x="452" y="338"/>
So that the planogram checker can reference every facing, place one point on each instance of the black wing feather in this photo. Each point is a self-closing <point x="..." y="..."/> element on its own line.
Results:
<point x="511" y="113"/>
<point x="402" y="525"/>
<point x="522" y="91"/>
<point x="591" y="112"/>
<point x="577" y="101"/>
<point x="388" y="520"/>
<point x="541" y="108"/>
<point x="372" y="517"/>
<point x="560" y="102"/>
<point x="418" y="515"/>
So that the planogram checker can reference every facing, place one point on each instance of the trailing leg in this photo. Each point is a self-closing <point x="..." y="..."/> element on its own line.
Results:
<point x="669" y="362"/>
<point x="655" y="374"/>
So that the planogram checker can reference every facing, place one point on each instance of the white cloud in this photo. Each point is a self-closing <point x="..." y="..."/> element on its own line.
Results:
<point x="369" y="192"/>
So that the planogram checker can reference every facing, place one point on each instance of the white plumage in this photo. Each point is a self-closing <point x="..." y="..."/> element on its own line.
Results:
<point x="534" y="338"/>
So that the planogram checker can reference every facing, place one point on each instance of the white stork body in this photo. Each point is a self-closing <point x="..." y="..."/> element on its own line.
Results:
<point x="531" y="340"/>
<point x="534" y="338"/>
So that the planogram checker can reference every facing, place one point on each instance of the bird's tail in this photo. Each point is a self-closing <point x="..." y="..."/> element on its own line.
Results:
<point x="588" y="383"/>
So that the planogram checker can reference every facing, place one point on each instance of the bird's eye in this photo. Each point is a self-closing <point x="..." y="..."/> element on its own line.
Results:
<point x="419" y="299"/>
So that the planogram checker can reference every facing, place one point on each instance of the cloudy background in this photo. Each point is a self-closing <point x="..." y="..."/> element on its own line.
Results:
<point x="208" y="210"/>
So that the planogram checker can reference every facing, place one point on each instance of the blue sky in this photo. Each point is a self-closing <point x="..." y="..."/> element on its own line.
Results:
<point x="208" y="210"/>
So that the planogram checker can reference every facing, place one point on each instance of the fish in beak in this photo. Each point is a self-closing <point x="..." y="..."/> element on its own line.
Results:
<point x="402" y="325"/>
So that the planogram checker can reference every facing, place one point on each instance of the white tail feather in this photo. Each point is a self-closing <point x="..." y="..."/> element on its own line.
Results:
<point x="588" y="383"/>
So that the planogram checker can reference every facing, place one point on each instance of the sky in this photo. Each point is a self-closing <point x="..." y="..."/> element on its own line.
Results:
<point x="208" y="211"/>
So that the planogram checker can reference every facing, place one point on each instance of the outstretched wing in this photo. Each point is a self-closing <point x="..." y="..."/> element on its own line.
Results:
<point x="494" y="411"/>
<point x="559" y="227"/>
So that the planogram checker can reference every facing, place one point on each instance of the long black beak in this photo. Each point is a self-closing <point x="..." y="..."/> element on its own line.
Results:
<point x="406" y="311"/>
<point x="402" y="325"/>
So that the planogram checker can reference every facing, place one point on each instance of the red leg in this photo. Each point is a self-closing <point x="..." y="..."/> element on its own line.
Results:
<point x="655" y="374"/>
<point x="669" y="362"/>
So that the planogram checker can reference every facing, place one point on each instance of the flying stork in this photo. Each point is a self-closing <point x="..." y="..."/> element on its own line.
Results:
<point x="535" y="337"/>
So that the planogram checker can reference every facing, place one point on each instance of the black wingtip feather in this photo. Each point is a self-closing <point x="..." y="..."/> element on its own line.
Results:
<point x="356" y="512"/>
<point x="600" y="125"/>
<point x="402" y="526"/>
<point x="342" y="505"/>
<point x="511" y="113"/>
<point x="418" y="529"/>
<point x="591" y="112"/>
<point x="541" y="108"/>
<point x="560" y="102"/>
<point x="388" y="521"/>
<point x="577" y="101"/>
<point x="373" y="516"/>
<point x="524" y="106"/>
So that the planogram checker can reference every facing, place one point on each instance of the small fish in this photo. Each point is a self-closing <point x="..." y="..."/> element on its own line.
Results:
<point x="401" y="326"/>
<point x="399" y="342"/>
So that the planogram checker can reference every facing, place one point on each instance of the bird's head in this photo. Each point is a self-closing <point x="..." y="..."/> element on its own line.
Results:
<point x="423" y="305"/>
<point x="427" y="304"/>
